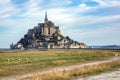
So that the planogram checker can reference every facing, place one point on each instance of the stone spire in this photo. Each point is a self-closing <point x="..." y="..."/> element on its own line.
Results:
<point x="46" y="19"/>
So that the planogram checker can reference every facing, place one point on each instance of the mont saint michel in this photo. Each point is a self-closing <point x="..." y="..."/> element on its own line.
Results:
<point x="46" y="35"/>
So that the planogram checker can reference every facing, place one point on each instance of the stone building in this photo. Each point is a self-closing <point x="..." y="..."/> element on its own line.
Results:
<point x="46" y="35"/>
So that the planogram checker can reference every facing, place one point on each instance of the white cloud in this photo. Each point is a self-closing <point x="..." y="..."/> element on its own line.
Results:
<point x="58" y="3"/>
<point x="103" y="36"/>
<point x="70" y="19"/>
<point x="101" y="2"/>
<point x="108" y="2"/>
<point x="88" y="20"/>
<point x="83" y="5"/>
<point x="4" y="16"/>
<point x="7" y="9"/>
<point x="3" y="2"/>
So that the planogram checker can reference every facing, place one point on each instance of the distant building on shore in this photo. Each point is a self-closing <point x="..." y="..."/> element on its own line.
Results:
<point x="46" y="35"/>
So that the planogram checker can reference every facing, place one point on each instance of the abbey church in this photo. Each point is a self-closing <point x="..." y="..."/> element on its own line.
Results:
<point x="48" y="28"/>
<point x="46" y="35"/>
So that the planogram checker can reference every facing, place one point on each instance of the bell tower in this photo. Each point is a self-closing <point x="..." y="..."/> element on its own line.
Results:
<point x="46" y="27"/>
<point x="46" y="19"/>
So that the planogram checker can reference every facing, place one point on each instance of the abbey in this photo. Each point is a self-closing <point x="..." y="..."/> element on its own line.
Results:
<point x="47" y="28"/>
<point x="46" y="35"/>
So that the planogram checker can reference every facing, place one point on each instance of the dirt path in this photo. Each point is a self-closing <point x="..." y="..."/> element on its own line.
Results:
<point x="115" y="75"/>
<point x="65" y="68"/>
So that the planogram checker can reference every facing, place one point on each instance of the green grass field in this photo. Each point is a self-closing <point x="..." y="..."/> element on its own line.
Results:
<point x="21" y="62"/>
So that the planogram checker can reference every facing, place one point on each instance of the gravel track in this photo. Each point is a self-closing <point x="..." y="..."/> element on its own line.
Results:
<point x="114" y="75"/>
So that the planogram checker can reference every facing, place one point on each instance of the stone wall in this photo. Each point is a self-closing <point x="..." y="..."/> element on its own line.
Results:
<point x="46" y="31"/>
<point x="52" y="30"/>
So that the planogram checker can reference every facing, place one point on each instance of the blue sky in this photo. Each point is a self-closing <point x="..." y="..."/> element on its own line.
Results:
<point x="94" y="22"/>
